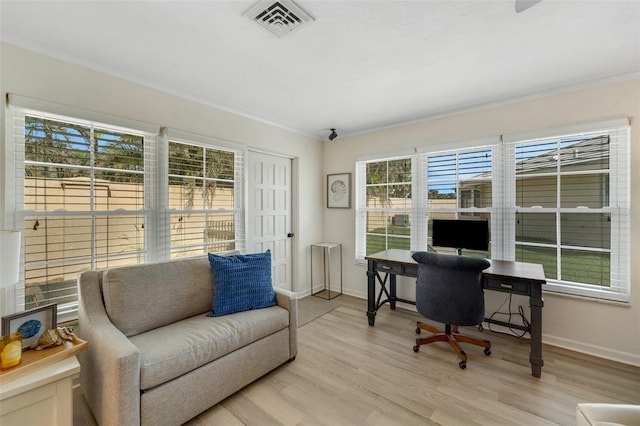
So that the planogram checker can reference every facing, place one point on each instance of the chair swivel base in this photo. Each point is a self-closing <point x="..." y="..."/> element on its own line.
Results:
<point x="452" y="339"/>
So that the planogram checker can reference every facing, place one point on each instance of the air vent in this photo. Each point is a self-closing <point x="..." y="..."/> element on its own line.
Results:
<point x="278" y="17"/>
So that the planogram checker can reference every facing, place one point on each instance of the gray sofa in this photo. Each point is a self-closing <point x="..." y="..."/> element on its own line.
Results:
<point x="155" y="358"/>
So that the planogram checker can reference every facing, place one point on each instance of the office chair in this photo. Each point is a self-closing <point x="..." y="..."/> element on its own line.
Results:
<point x="449" y="290"/>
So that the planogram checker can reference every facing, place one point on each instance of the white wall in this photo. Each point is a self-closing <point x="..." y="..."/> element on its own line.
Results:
<point x="40" y="77"/>
<point x="610" y="330"/>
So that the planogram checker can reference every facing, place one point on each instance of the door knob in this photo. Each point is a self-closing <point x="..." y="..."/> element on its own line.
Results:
<point x="290" y="234"/>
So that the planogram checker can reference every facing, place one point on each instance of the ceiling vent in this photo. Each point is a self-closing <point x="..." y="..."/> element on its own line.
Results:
<point x="278" y="17"/>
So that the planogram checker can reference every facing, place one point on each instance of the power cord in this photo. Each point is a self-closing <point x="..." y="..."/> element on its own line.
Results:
<point x="510" y="314"/>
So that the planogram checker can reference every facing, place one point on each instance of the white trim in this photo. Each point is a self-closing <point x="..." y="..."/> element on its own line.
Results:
<point x="496" y="103"/>
<point x="560" y="132"/>
<point x="65" y="55"/>
<point x="392" y="155"/>
<point x="203" y="140"/>
<point x="442" y="147"/>
<point x="271" y="153"/>
<point x="599" y="351"/>
<point x="52" y="110"/>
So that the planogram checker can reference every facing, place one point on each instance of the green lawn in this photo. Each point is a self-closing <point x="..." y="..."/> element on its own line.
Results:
<point x="577" y="266"/>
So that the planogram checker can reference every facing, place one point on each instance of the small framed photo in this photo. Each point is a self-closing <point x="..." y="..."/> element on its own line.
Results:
<point x="339" y="191"/>
<point x="31" y="323"/>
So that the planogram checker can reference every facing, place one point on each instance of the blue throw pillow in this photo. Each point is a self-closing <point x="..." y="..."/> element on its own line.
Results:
<point x="242" y="282"/>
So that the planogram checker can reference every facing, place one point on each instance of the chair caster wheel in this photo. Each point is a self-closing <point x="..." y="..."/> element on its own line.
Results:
<point x="416" y="348"/>
<point x="487" y="351"/>
<point x="463" y="364"/>
<point x="418" y="330"/>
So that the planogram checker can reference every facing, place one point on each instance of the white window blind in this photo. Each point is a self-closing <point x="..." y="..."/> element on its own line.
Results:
<point x="80" y="199"/>
<point x="92" y="191"/>
<point x="397" y="198"/>
<point x="204" y="199"/>
<point x="571" y="210"/>
<point x="559" y="197"/>
<point x="459" y="186"/>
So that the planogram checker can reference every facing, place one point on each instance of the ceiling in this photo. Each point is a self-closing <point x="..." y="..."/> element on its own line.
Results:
<point x="359" y="66"/>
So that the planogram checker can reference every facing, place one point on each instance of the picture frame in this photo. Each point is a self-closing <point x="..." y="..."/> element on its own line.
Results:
<point x="31" y="323"/>
<point x="339" y="191"/>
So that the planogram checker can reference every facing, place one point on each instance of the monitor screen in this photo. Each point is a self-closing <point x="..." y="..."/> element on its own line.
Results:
<point x="461" y="234"/>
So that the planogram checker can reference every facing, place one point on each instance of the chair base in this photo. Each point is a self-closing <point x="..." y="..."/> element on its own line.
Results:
<point x="452" y="339"/>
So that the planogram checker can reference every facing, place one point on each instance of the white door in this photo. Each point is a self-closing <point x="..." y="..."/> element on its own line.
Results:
<point x="269" y="214"/>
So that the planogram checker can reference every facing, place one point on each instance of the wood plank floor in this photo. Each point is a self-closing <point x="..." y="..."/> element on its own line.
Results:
<point x="348" y="373"/>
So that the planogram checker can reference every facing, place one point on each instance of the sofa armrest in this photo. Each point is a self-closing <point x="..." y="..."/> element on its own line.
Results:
<point x="588" y="414"/>
<point x="287" y="299"/>
<point x="110" y="367"/>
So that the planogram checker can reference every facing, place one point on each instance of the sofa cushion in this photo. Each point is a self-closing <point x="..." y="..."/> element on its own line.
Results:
<point x="176" y="349"/>
<point x="242" y="282"/>
<point x="139" y="298"/>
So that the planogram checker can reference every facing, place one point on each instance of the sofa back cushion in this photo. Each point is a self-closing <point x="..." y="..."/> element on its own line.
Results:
<point x="139" y="298"/>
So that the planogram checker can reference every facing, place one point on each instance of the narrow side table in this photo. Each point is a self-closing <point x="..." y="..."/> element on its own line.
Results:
<point x="326" y="270"/>
<point x="41" y="397"/>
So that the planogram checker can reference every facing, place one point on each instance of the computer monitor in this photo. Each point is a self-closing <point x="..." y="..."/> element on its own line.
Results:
<point x="460" y="234"/>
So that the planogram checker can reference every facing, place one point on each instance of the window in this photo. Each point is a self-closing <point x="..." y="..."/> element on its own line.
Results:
<point x="89" y="195"/>
<point x="569" y="216"/>
<point x="203" y="196"/>
<point x="82" y="204"/>
<point x="561" y="200"/>
<point x="459" y="187"/>
<point x="387" y="207"/>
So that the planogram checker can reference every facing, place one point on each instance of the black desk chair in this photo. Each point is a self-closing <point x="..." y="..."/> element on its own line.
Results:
<point x="449" y="290"/>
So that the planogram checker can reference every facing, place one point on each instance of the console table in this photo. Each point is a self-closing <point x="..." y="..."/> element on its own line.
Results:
<point x="505" y="276"/>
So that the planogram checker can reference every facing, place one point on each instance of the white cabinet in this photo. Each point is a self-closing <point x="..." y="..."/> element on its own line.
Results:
<point x="42" y="397"/>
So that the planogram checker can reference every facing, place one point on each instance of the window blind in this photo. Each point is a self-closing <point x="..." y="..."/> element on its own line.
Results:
<point x="204" y="198"/>
<point x="558" y="197"/>
<point x="90" y="191"/>
<point x="571" y="210"/>
<point x="459" y="185"/>
<point x="79" y="197"/>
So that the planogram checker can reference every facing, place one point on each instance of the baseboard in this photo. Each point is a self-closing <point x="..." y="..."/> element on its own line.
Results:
<point x="358" y="294"/>
<point x="301" y="294"/>
<point x="598" y="351"/>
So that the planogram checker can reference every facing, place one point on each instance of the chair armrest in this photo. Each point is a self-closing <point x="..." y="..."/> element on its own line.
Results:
<point x="287" y="299"/>
<point x="110" y="367"/>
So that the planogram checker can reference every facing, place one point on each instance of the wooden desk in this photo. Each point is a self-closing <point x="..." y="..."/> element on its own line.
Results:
<point x="525" y="279"/>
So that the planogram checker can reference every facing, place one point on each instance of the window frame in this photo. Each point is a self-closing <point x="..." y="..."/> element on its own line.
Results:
<point x="17" y="212"/>
<point x="618" y="210"/>
<point x="237" y="211"/>
<point x="157" y="246"/>
<point x="503" y="209"/>
<point x="386" y="211"/>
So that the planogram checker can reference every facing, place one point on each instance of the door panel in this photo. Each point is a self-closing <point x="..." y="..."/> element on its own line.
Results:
<point x="270" y="213"/>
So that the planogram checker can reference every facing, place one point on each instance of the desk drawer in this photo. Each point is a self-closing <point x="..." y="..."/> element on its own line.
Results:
<point x="514" y="287"/>
<point x="390" y="268"/>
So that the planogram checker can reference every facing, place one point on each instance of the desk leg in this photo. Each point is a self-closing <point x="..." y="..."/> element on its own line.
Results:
<point x="392" y="289"/>
<point x="535" y="356"/>
<point x="371" y="293"/>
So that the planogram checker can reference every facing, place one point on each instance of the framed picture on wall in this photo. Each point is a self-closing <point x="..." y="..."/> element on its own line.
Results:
<point x="339" y="191"/>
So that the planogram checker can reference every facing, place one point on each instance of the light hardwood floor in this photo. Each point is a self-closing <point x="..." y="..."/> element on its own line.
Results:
<point x="348" y="373"/>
